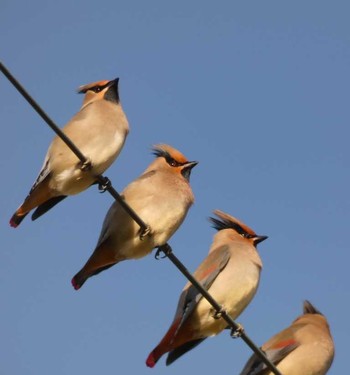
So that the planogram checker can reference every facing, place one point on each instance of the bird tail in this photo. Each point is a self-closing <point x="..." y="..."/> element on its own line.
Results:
<point x="153" y="357"/>
<point x="80" y="278"/>
<point x="22" y="211"/>
<point x="17" y="218"/>
<point x="165" y="345"/>
<point x="37" y="196"/>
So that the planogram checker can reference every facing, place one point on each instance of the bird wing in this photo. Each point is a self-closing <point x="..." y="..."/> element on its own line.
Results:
<point x="206" y="273"/>
<point x="46" y="206"/>
<point x="276" y="349"/>
<point x="178" y="352"/>
<point x="43" y="174"/>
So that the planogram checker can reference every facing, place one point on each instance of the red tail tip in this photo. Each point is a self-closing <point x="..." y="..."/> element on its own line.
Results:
<point x="76" y="286"/>
<point x="150" y="362"/>
<point x="13" y="223"/>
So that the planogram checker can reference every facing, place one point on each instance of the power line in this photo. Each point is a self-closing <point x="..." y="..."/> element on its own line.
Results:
<point x="105" y="184"/>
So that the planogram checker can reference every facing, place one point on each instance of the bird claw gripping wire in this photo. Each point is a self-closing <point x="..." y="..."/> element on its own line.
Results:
<point x="218" y="313"/>
<point x="144" y="232"/>
<point x="105" y="185"/>
<point x="158" y="255"/>
<point x="237" y="332"/>
<point x="166" y="249"/>
<point x="86" y="165"/>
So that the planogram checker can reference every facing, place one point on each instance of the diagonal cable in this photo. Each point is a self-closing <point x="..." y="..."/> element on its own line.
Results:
<point x="144" y="228"/>
<point x="104" y="182"/>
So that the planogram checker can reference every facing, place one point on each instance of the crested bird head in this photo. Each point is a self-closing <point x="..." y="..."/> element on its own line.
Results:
<point x="107" y="90"/>
<point x="174" y="160"/>
<point x="226" y="221"/>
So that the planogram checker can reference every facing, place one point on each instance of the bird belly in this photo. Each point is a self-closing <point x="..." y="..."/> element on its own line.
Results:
<point x="233" y="291"/>
<point x="102" y="154"/>
<point x="72" y="180"/>
<point x="307" y="360"/>
<point x="130" y="246"/>
<point x="164" y="221"/>
<point x="136" y="248"/>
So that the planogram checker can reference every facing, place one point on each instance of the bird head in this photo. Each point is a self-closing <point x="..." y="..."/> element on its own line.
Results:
<point x="226" y="221"/>
<point x="174" y="160"/>
<point x="311" y="316"/>
<point x="107" y="90"/>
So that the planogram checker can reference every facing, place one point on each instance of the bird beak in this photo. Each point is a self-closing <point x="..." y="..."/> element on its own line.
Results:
<point x="113" y="82"/>
<point x="190" y="164"/>
<point x="259" y="239"/>
<point x="186" y="170"/>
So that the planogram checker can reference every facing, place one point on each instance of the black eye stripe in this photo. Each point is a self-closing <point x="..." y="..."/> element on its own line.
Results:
<point x="172" y="162"/>
<point x="99" y="88"/>
<point x="96" y="89"/>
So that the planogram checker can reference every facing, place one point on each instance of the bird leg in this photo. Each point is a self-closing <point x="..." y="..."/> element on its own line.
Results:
<point x="218" y="313"/>
<point x="104" y="185"/>
<point x="86" y="165"/>
<point x="237" y="332"/>
<point x="144" y="232"/>
<point x="166" y="249"/>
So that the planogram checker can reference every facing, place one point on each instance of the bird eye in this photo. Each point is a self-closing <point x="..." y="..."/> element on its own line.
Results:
<point x="172" y="162"/>
<point x="96" y="89"/>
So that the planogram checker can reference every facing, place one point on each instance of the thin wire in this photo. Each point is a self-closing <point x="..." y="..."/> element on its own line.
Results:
<point x="86" y="163"/>
<point x="106" y="184"/>
<point x="167" y="250"/>
<point x="44" y="116"/>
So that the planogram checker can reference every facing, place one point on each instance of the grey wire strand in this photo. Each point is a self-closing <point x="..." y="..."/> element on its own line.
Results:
<point x="103" y="181"/>
<point x="166" y="249"/>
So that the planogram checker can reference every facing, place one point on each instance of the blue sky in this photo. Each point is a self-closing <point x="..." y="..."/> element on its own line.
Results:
<point x="257" y="92"/>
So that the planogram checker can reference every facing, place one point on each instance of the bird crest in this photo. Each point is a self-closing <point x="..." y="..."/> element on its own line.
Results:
<point x="308" y="308"/>
<point x="169" y="153"/>
<point x="227" y="221"/>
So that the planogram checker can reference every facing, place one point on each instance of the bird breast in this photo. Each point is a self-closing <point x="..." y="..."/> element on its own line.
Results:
<point x="105" y="128"/>
<point x="308" y="360"/>
<point x="233" y="288"/>
<point x="99" y="131"/>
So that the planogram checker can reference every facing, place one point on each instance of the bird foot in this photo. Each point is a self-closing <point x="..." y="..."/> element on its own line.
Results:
<point x="166" y="249"/>
<point x="86" y="166"/>
<point x="144" y="232"/>
<point x="237" y="332"/>
<point x="105" y="185"/>
<point x="218" y="313"/>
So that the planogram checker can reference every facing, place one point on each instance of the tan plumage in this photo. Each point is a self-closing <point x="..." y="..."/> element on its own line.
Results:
<point x="161" y="196"/>
<point x="99" y="130"/>
<point x="306" y="347"/>
<point x="230" y="273"/>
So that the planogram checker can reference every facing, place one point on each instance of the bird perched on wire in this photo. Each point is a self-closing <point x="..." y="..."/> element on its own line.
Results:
<point x="99" y="130"/>
<point x="161" y="196"/>
<point x="306" y="347"/>
<point x="230" y="273"/>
